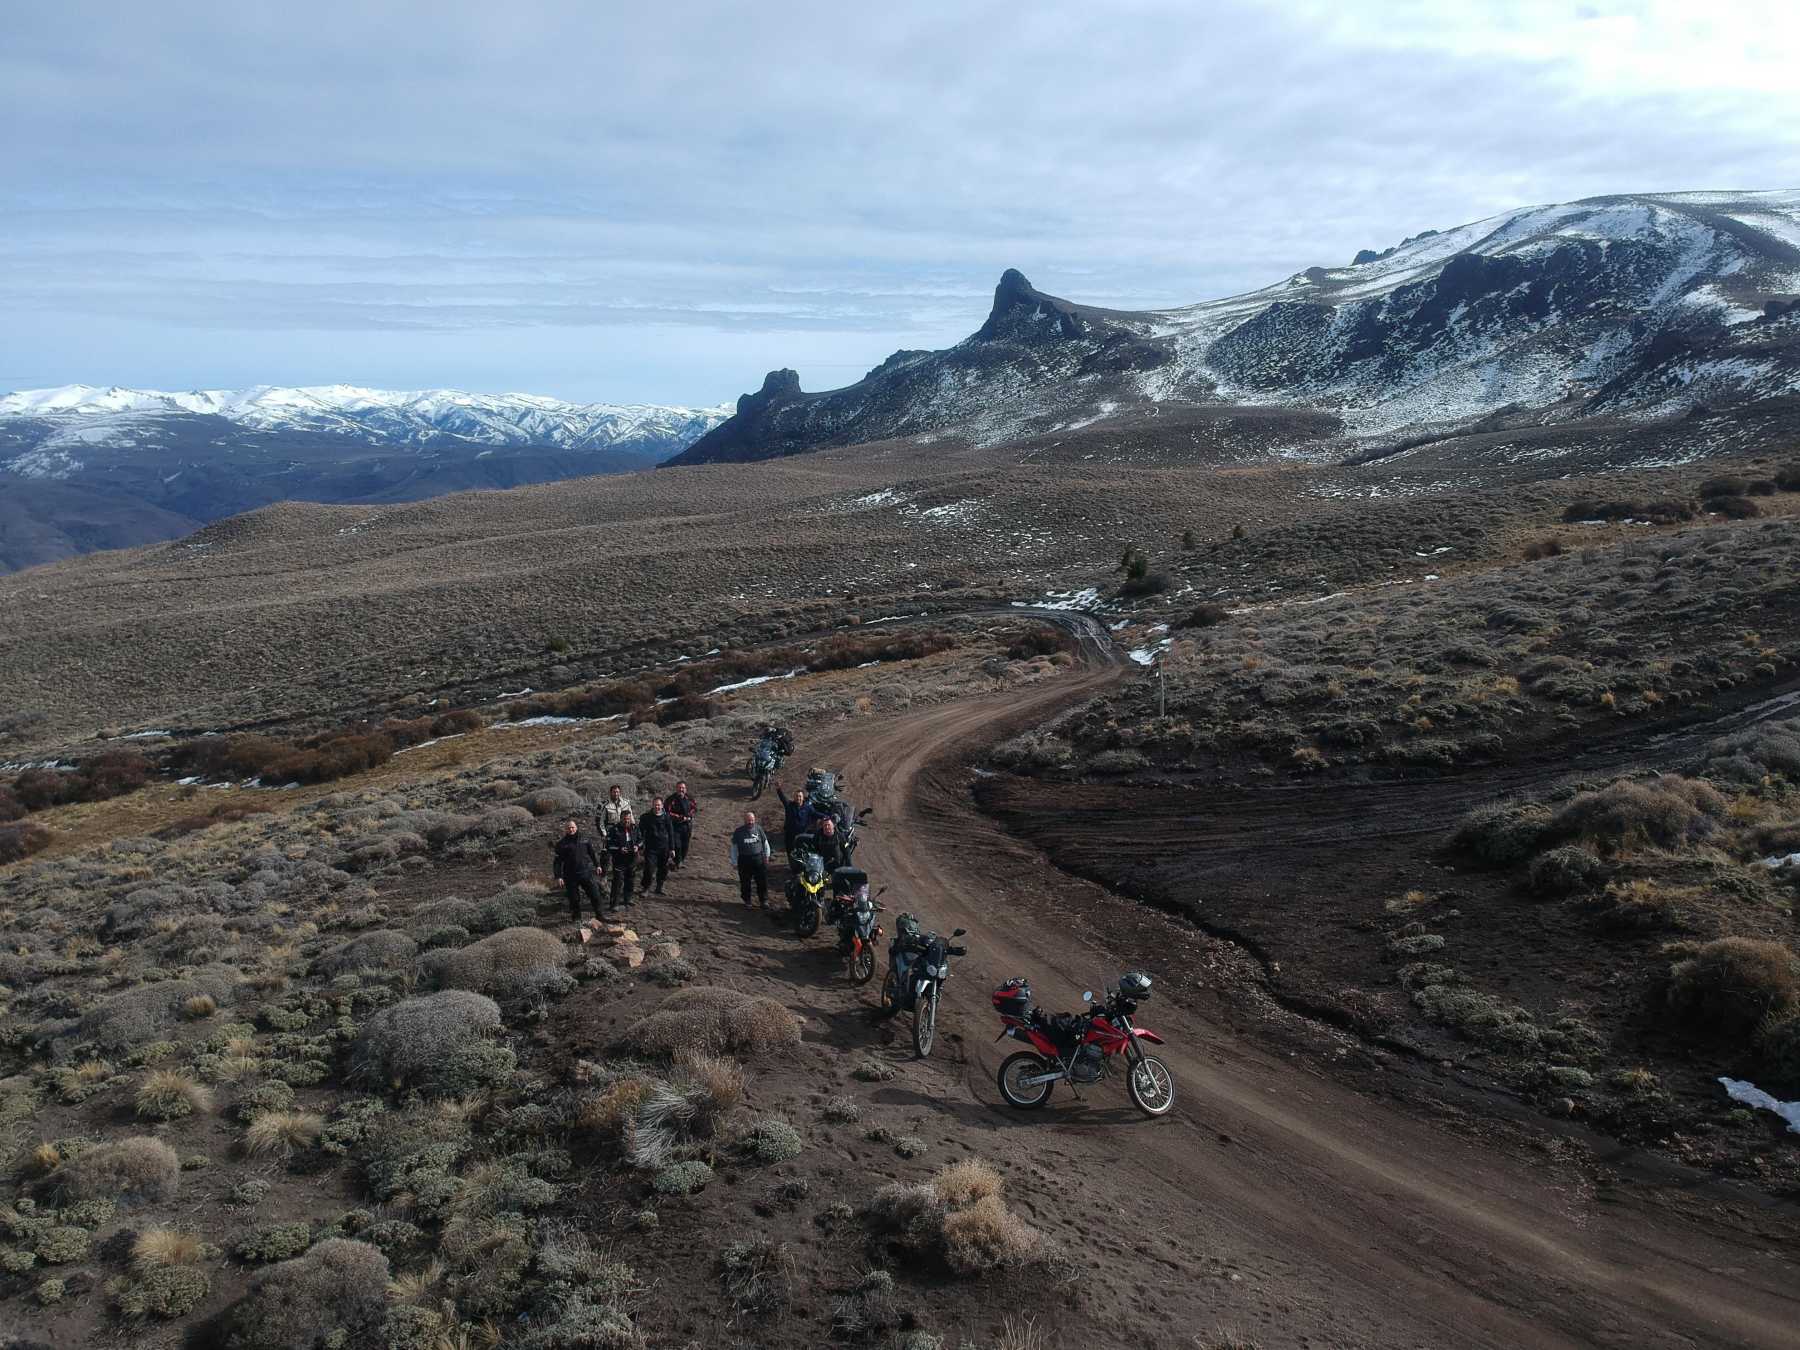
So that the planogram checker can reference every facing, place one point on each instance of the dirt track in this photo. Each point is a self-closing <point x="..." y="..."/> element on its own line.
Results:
<point x="1334" y="1219"/>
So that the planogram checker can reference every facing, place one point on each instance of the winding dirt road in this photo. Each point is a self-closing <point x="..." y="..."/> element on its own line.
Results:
<point x="1274" y="1200"/>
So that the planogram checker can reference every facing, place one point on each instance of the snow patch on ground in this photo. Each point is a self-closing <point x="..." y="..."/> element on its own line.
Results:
<point x="755" y="680"/>
<point x="1751" y="1095"/>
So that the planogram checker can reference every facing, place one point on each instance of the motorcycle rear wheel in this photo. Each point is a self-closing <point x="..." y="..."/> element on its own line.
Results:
<point x="1020" y="1066"/>
<point x="890" y="993"/>
<point x="1151" y="1086"/>
<point x="862" y="965"/>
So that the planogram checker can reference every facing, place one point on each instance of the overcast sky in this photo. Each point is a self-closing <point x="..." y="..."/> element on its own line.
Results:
<point x="659" y="202"/>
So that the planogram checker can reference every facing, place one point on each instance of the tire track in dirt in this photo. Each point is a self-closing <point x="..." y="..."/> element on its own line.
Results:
<point x="1353" y="1221"/>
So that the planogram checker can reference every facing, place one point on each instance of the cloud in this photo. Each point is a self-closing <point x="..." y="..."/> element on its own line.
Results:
<point x="202" y="194"/>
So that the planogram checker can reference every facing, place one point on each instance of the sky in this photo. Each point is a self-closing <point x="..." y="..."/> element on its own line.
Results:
<point x="659" y="203"/>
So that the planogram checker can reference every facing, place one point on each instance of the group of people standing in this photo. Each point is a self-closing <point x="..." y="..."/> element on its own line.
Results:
<point x="654" y="844"/>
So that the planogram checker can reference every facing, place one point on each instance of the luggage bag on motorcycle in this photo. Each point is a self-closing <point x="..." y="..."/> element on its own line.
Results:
<point x="1013" y="999"/>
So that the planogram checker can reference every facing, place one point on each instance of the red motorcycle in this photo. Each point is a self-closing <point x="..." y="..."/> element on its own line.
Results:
<point x="1079" y="1048"/>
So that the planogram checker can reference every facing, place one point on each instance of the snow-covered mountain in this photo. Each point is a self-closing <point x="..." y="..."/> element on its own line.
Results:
<point x="74" y="417"/>
<point x="84" y="468"/>
<point x="1641" y="307"/>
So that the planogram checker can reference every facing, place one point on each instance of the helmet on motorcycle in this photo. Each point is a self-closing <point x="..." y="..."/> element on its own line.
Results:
<point x="1135" y="985"/>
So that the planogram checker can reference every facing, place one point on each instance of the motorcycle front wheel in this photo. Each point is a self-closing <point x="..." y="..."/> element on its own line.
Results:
<point x="890" y="993"/>
<point x="806" y="918"/>
<point x="1151" y="1086"/>
<point x="925" y="1020"/>
<point x="758" y="780"/>
<point x="1014" y="1069"/>
<point x="862" y="965"/>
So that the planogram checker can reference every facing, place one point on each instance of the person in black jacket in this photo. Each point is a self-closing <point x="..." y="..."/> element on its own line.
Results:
<point x="829" y="844"/>
<point x="797" y="818"/>
<point x="682" y="810"/>
<point x="625" y="842"/>
<point x="658" y="829"/>
<point x="574" y="865"/>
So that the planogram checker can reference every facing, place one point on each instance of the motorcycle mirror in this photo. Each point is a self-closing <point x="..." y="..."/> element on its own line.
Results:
<point x="881" y="892"/>
<point x="865" y="813"/>
<point x="958" y="932"/>
<point x="1087" y="995"/>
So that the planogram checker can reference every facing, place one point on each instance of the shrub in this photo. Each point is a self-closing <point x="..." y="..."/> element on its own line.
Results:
<point x="166" y="1292"/>
<point x="1136" y="588"/>
<point x="62" y="1245"/>
<point x="1735" y="508"/>
<point x="155" y="1247"/>
<point x="689" y="1107"/>
<point x="758" y="1275"/>
<point x="1569" y="870"/>
<point x="171" y="1094"/>
<point x="1039" y="640"/>
<point x="11" y="808"/>
<point x="1787" y="478"/>
<point x="139" y="1168"/>
<point x="334" y="1295"/>
<point x="1730" y="985"/>
<point x="282" y="1132"/>
<point x="714" y="1020"/>
<point x="134" y="1017"/>
<point x="1502" y="833"/>
<point x="553" y="801"/>
<point x="959" y="1219"/>
<point x="1207" y="615"/>
<point x="1548" y="547"/>
<point x="1721" y="487"/>
<point x="22" y="840"/>
<point x="199" y="1006"/>
<point x="277" y="1242"/>
<point x="504" y="963"/>
<point x="771" y="1140"/>
<point x="382" y="949"/>
<point x="1778" y="1050"/>
<point x="1628" y="813"/>
<point x="682" y="1178"/>
<point x="963" y="1183"/>
<point x="436" y="1043"/>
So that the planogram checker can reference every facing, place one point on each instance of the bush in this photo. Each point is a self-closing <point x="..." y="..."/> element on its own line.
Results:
<point x="436" y="1043"/>
<point x="1548" y="547"/>
<point x="126" y="1170"/>
<point x="1207" y="615"/>
<point x="282" y="1132"/>
<point x="171" y="1094"/>
<point x="23" y="839"/>
<point x="1569" y="870"/>
<point x="382" y="949"/>
<point x="1787" y="478"/>
<point x="506" y="963"/>
<point x="277" y="1242"/>
<point x="1628" y="813"/>
<point x="334" y="1295"/>
<point x="1722" y="487"/>
<point x="959" y="1219"/>
<point x="689" y="1107"/>
<point x="771" y="1140"/>
<point x="553" y="801"/>
<point x="165" y="1291"/>
<point x="1502" y="833"/>
<point x="758" y="1275"/>
<point x="682" y="1178"/>
<point x="1729" y="986"/>
<point x="133" y="1017"/>
<point x="1040" y="640"/>
<point x="714" y="1020"/>
<point x="155" y="1247"/>
<point x="1735" y="508"/>
<point x="1136" y="588"/>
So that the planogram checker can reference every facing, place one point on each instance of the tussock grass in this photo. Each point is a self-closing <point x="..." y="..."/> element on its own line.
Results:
<point x="159" y="1246"/>
<point x="282" y="1133"/>
<point x="171" y="1094"/>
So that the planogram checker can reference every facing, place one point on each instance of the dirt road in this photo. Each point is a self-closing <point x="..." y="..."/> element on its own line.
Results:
<point x="1273" y="1200"/>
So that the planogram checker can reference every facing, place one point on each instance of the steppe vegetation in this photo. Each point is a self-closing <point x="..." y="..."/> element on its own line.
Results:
<point x="266" y="1085"/>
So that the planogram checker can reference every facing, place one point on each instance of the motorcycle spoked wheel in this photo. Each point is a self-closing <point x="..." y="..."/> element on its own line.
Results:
<point x="1024" y="1065"/>
<point x="890" y="993"/>
<point x="759" y="779"/>
<point x="862" y="965"/>
<point x="806" y="915"/>
<point x="1150" y="1086"/>
<point x="925" y="1008"/>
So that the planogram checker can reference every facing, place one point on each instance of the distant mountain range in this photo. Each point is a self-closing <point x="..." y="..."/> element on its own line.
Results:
<point x="84" y="468"/>
<point x="1628" y="307"/>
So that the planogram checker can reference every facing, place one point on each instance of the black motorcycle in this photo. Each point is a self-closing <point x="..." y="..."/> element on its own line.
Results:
<point x="918" y="965"/>
<point x="775" y="745"/>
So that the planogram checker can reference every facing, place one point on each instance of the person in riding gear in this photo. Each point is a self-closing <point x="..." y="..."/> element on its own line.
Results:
<point x="625" y="842"/>
<point x="658" y="829"/>
<point x="750" y="855"/>
<point x="797" y="818"/>
<point x="682" y="810"/>
<point x="575" y="865"/>
<point x="617" y="804"/>
<point x="828" y="843"/>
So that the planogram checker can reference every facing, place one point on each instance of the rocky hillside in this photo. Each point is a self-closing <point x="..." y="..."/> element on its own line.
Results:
<point x="1641" y="307"/>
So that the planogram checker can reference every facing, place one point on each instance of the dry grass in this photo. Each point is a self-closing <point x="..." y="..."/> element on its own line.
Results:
<point x="966" y="1182"/>
<point x="199" y="1006"/>
<point x="171" y="1094"/>
<point x="282" y="1132"/>
<point x="138" y="1167"/>
<point x="155" y="1247"/>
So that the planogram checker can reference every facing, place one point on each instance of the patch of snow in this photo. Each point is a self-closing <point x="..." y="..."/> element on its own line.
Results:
<point x="546" y="720"/>
<point x="144" y="735"/>
<point x="756" y="680"/>
<point x="1751" y="1095"/>
<point x="1777" y="860"/>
